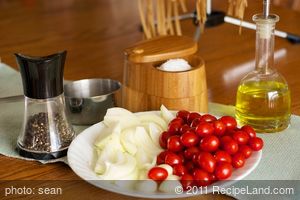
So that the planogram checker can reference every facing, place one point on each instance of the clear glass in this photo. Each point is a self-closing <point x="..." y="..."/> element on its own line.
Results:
<point x="263" y="97"/>
<point x="46" y="128"/>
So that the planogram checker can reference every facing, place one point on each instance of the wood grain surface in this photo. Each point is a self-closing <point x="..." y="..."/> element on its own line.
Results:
<point x="95" y="33"/>
<point x="145" y="87"/>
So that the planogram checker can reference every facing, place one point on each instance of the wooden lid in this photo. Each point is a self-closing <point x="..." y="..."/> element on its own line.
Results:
<point x="161" y="48"/>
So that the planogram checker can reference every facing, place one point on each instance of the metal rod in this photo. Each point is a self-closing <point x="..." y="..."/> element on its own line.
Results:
<point x="230" y="20"/>
<point x="266" y="8"/>
<point x="245" y="24"/>
<point x="208" y="7"/>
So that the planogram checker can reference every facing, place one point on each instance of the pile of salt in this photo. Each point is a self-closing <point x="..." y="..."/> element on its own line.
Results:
<point x="175" y="65"/>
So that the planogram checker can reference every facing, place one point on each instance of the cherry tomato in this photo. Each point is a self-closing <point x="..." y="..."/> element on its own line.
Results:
<point x="181" y="156"/>
<point x="205" y="129"/>
<point x="226" y="138"/>
<point x="201" y="177"/>
<point x="209" y="143"/>
<point x="160" y="159"/>
<point x="207" y="162"/>
<point x="192" y="116"/>
<point x="195" y="123"/>
<point x="189" y="152"/>
<point x="189" y="139"/>
<point x="220" y="127"/>
<point x="174" y="128"/>
<point x="245" y="150"/>
<point x="174" y="144"/>
<point x="229" y="132"/>
<point x="223" y="170"/>
<point x="187" y="181"/>
<point x="195" y="158"/>
<point x="190" y="166"/>
<point x="222" y="156"/>
<point x="207" y="118"/>
<point x="230" y="146"/>
<point x="163" y="138"/>
<point x="177" y="120"/>
<point x="185" y="128"/>
<point x="238" y="160"/>
<point x="240" y="137"/>
<point x="158" y="174"/>
<point x="179" y="170"/>
<point x="172" y="159"/>
<point x="249" y="130"/>
<point x="182" y="114"/>
<point x="229" y="122"/>
<point x="256" y="143"/>
<point x="213" y="178"/>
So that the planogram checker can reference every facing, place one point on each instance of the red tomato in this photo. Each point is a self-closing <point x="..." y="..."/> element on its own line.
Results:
<point x="240" y="137"/>
<point x="158" y="174"/>
<point x="229" y="132"/>
<point x="195" y="123"/>
<point x="189" y="152"/>
<point x="182" y="114"/>
<point x="192" y="116"/>
<point x="256" y="143"/>
<point x="207" y="162"/>
<point x="177" y="120"/>
<point x="249" y="130"/>
<point x="208" y="118"/>
<point x="245" y="150"/>
<point x="195" y="158"/>
<point x="190" y="166"/>
<point x="160" y="159"/>
<point x="209" y="143"/>
<point x="174" y="128"/>
<point x="226" y="138"/>
<point x="220" y="127"/>
<point x="181" y="155"/>
<point x="189" y="139"/>
<point x="185" y="128"/>
<point x="163" y="138"/>
<point x="174" y="144"/>
<point x="205" y="129"/>
<point x="179" y="170"/>
<point x="223" y="170"/>
<point x="229" y="122"/>
<point x="213" y="178"/>
<point x="201" y="177"/>
<point x="222" y="156"/>
<point x="238" y="160"/>
<point x="187" y="181"/>
<point x="172" y="159"/>
<point x="230" y="146"/>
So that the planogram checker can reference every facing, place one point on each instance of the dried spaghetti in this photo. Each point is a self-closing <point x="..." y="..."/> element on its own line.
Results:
<point x="162" y="17"/>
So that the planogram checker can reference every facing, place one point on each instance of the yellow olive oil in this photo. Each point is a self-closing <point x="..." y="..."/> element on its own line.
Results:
<point x="265" y="105"/>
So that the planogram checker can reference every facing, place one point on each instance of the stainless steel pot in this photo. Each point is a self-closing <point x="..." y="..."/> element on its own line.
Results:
<point x="87" y="100"/>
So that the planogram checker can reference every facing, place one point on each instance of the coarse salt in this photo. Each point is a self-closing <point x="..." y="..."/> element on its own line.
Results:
<point x="175" y="65"/>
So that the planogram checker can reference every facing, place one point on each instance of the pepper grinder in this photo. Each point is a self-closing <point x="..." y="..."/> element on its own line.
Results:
<point x="46" y="132"/>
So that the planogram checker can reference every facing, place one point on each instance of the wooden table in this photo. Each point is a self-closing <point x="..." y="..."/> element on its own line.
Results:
<point x="95" y="34"/>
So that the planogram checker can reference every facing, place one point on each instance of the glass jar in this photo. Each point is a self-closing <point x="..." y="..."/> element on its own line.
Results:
<point x="263" y="96"/>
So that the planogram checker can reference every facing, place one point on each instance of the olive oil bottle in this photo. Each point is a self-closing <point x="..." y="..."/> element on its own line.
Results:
<point x="263" y="97"/>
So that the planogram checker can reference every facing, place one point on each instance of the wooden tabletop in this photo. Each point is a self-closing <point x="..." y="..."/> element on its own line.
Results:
<point x="95" y="33"/>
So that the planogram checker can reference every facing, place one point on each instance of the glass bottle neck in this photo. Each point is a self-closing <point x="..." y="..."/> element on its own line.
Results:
<point x="265" y="42"/>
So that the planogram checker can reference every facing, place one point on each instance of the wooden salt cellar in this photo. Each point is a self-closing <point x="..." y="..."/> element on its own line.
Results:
<point x="145" y="87"/>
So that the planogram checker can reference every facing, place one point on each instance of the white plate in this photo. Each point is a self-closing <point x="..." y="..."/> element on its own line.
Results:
<point x="81" y="155"/>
